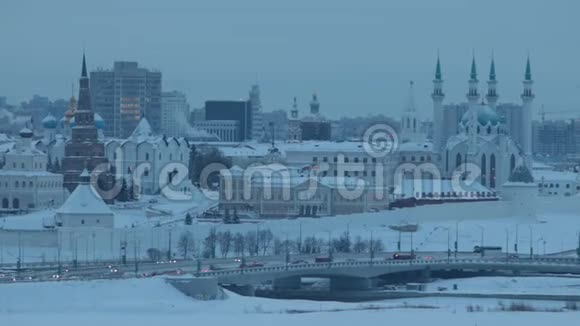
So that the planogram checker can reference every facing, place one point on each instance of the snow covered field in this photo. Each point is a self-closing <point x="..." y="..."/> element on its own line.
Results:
<point x="553" y="230"/>
<point x="152" y="301"/>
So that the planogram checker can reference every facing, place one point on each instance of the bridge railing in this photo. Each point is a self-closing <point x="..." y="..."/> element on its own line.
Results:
<point x="378" y="263"/>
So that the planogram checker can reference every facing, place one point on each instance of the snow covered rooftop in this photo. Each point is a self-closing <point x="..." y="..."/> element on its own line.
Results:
<point x="84" y="200"/>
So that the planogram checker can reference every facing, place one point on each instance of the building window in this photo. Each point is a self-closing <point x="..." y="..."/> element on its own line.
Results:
<point x="412" y="158"/>
<point x="325" y="159"/>
<point x="23" y="184"/>
<point x="146" y="156"/>
<point x="335" y="159"/>
<point x="146" y="173"/>
<point x="365" y="160"/>
<point x="404" y="158"/>
<point x="30" y="184"/>
<point x="82" y="221"/>
<point x="98" y="221"/>
<point x="16" y="184"/>
<point x="374" y="160"/>
<point x="315" y="159"/>
<point x="356" y="159"/>
<point x="422" y="159"/>
<point x="345" y="159"/>
<point x="567" y="186"/>
<point x="15" y="203"/>
<point x="374" y="173"/>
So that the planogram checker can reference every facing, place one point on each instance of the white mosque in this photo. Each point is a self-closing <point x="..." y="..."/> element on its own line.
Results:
<point x="483" y="148"/>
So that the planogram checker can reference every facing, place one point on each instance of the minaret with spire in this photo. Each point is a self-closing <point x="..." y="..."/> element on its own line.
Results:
<point x="473" y="93"/>
<point x="527" y="102"/>
<point x="410" y="122"/>
<point x="492" y="95"/>
<point x="438" y="97"/>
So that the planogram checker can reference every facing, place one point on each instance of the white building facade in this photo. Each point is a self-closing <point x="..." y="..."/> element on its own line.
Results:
<point x="150" y="161"/>
<point x="25" y="183"/>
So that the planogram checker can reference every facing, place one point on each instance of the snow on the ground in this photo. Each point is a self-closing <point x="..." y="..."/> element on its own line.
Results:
<point x="554" y="230"/>
<point x="152" y="301"/>
<point x="511" y="285"/>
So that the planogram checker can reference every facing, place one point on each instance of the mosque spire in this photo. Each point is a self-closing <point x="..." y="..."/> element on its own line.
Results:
<point x="438" y="69"/>
<point x="528" y="75"/>
<point x="473" y="75"/>
<point x="492" y="69"/>
<point x="84" y="71"/>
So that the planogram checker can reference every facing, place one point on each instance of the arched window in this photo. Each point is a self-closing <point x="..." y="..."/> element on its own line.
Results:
<point x="5" y="203"/>
<point x="16" y="184"/>
<point x="488" y="130"/>
<point x="146" y="156"/>
<point x="30" y="184"/>
<point x="457" y="160"/>
<point x="15" y="203"/>
<point x="414" y="124"/>
<point x="512" y="163"/>
<point x="492" y="171"/>
<point x="483" y="168"/>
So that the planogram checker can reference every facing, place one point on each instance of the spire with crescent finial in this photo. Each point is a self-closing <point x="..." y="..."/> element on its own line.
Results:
<point x="528" y="75"/>
<point x="438" y="69"/>
<point x="473" y="75"/>
<point x="492" y="69"/>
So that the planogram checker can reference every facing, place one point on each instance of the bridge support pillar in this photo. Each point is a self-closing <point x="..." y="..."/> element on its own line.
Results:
<point x="426" y="274"/>
<point x="350" y="284"/>
<point x="287" y="283"/>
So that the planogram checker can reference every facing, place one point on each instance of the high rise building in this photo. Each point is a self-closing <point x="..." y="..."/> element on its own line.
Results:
<point x="123" y="95"/>
<point x="257" y="118"/>
<point x="240" y="111"/>
<point x="174" y="114"/>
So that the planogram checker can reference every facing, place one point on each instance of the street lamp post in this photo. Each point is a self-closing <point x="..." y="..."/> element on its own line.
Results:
<point x="399" y="242"/>
<point x="507" y="242"/>
<point x="448" y="243"/>
<point x="456" y="244"/>
<point x="372" y="247"/>
<point x="531" y="242"/>
<point x="517" y="239"/>
<point x="482" y="229"/>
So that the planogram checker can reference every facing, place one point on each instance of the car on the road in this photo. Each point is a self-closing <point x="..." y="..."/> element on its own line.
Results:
<point x="252" y="265"/>
<point x="401" y="256"/>
<point x="323" y="260"/>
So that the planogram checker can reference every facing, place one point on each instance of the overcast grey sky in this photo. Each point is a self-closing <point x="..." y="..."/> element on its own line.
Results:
<point x="357" y="55"/>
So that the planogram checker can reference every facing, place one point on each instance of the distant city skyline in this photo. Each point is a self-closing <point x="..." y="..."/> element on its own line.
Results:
<point x="358" y="57"/>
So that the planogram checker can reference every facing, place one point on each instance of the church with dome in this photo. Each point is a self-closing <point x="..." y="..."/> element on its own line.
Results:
<point x="483" y="150"/>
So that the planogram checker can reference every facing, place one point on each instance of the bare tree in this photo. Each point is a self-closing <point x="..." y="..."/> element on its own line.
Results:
<point x="359" y="245"/>
<point x="278" y="246"/>
<point x="251" y="241"/>
<point x="210" y="244"/>
<point x="265" y="238"/>
<point x="239" y="244"/>
<point x="186" y="244"/>
<point x="225" y="242"/>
